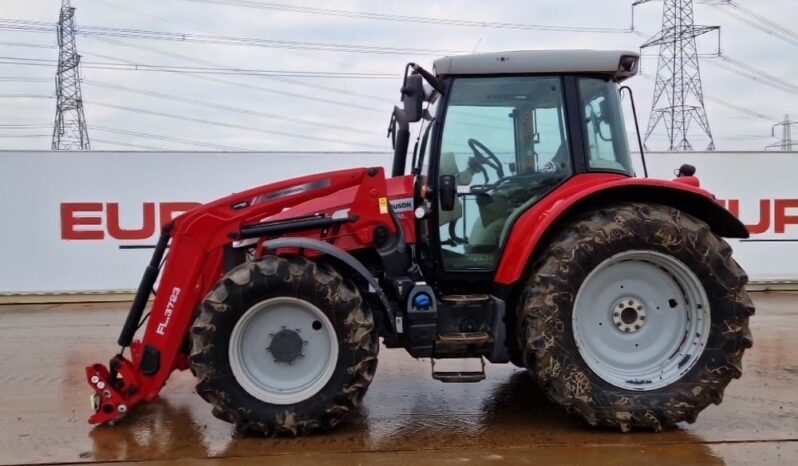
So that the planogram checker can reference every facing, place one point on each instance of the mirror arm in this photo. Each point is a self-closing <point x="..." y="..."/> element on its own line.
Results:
<point x="436" y="83"/>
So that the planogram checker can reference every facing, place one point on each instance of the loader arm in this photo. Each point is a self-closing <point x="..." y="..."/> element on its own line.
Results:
<point x="196" y="243"/>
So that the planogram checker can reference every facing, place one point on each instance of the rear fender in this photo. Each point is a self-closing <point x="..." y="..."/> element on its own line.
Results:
<point x="534" y="228"/>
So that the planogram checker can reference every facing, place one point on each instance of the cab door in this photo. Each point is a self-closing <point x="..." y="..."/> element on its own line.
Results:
<point x="505" y="143"/>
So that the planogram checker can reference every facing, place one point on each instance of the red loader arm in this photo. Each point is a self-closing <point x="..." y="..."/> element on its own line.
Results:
<point x="196" y="242"/>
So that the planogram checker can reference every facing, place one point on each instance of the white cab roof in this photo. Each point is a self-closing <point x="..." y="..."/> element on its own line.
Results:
<point x="606" y="62"/>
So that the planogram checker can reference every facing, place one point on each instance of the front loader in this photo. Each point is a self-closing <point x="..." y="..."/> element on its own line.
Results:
<point x="516" y="233"/>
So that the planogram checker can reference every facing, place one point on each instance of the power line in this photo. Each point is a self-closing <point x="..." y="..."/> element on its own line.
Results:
<point x="756" y="20"/>
<point x="11" y="136"/>
<point x="726" y="104"/>
<point x="303" y="137"/>
<point x="759" y="75"/>
<point x="192" y="59"/>
<point x="130" y="144"/>
<point x="410" y="19"/>
<point x="197" y="70"/>
<point x="41" y="26"/>
<point x="278" y="91"/>
<point x="159" y="137"/>
<point x="29" y="45"/>
<point x="25" y="96"/>
<point x="739" y="108"/>
<point x="116" y="6"/>
<point x="24" y="79"/>
<point x="206" y="145"/>
<point x="226" y="108"/>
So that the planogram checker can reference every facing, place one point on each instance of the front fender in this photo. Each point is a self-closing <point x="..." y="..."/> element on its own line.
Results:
<point x="583" y="192"/>
<point x="341" y="257"/>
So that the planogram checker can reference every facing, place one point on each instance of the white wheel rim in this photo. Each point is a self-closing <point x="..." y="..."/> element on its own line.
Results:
<point x="257" y="369"/>
<point x="641" y="320"/>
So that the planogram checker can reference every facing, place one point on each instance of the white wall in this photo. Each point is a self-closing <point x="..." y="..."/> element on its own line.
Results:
<point x="34" y="257"/>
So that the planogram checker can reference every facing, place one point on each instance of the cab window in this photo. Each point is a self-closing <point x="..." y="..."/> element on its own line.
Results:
<point x="605" y="133"/>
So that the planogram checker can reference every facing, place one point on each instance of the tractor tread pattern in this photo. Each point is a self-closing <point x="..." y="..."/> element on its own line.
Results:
<point x="544" y="317"/>
<point x="299" y="277"/>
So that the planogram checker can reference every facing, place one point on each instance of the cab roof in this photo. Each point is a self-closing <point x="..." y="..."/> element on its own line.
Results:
<point x="616" y="64"/>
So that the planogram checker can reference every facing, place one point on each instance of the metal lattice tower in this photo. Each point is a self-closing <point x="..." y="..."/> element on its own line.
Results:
<point x="69" y="130"/>
<point x="678" y="95"/>
<point x="786" y="135"/>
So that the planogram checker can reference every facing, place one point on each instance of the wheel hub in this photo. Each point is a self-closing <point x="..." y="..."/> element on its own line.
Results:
<point x="283" y="350"/>
<point x="286" y="346"/>
<point x="641" y="320"/>
<point x="628" y="315"/>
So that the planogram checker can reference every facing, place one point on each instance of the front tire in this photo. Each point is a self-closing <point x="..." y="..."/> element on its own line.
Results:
<point x="283" y="345"/>
<point x="635" y="316"/>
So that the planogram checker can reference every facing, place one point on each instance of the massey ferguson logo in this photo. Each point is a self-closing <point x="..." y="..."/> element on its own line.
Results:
<point x="402" y="205"/>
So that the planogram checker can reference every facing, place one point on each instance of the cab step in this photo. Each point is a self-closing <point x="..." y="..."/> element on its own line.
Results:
<point x="464" y="338"/>
<point x="459" y="376"/>
<point x="465" y="299"/>
<point x="462" y="343"/>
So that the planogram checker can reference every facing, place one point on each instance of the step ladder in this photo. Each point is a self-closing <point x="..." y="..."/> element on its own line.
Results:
<point x="459" y="376"/>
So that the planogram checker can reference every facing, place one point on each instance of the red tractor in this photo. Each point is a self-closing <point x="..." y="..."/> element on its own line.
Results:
<point x="520" y="234"/>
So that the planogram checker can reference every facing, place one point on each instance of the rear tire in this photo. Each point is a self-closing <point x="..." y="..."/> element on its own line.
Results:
<point x="322" y="324"/>
<point x="599" y="386"/>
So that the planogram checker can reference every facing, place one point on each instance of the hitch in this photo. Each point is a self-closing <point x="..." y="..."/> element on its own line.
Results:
<point x="113" y="396"/>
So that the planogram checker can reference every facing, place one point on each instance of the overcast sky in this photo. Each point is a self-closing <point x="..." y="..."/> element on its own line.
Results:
<point x="346" y="113"/>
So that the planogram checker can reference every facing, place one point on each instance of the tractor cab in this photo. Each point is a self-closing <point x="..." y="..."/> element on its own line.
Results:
<point x="501" y="131"/>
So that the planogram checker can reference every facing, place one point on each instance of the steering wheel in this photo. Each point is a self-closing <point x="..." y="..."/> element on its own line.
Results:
<point x="508" y="183"/>
<point x="488" y="187"/>
<point x="484" y="156"/>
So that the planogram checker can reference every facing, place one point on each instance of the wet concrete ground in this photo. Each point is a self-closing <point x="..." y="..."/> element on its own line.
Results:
<point x="407" y="417"/>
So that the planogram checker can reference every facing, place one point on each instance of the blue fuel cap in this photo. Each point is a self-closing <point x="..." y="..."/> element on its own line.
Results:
<point x="422" y="301"/>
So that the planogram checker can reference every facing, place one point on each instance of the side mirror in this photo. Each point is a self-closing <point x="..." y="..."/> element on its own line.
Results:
<point x="413" y="98"/>
<point x="447" y="191"/>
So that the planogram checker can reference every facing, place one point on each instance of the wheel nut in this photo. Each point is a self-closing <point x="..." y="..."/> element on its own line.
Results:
<point x="101" y="385"/>
<point x="121" y="408"/>
<point x="94" y="379"/>
<point x="106" y="394"/>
